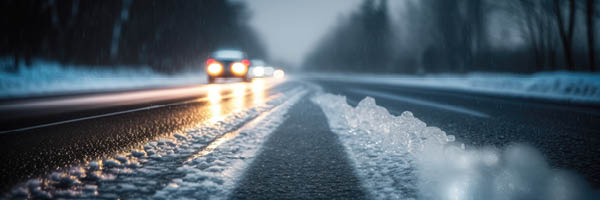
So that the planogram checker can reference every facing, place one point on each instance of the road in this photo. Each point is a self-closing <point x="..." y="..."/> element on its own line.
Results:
<point x="301" y="157"/>
<point x="42" y="134"/>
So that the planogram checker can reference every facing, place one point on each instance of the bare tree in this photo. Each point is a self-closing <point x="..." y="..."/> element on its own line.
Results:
<point x="65" y="25"/>
<point x="116" y="34"/>
<point x="591" y="7"/>
<point x="566" y="29"/>
<point x="537" y="20"/>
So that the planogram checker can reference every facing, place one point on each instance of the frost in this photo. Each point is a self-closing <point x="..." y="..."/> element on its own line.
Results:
<point x="400" y="157"/>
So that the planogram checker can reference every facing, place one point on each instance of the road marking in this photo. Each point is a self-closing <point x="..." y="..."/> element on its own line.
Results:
<point x="81" y="119"/>
<point x="421" y="102"/>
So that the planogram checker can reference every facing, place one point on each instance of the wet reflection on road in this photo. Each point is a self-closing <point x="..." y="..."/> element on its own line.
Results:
<point x="234" y="97"/>
<point x="75" y="142"/>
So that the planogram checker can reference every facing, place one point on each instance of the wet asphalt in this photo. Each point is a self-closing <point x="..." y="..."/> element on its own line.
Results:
<point x="36" y="152"/>
<point x="302" y="159"/>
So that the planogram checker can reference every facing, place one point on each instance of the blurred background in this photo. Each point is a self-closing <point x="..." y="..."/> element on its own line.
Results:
<point x="375" y="36"/>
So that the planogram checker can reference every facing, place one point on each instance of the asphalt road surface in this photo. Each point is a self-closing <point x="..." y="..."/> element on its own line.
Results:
<point x="42" y="134"/>
<point x="302" y="158"/>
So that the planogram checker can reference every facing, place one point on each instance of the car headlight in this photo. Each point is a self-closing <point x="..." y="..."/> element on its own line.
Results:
<point x="238" y="68"/>
<point x="278" y="73"/>
<point x="258" y="71"/>
<point x="214" y="68"/>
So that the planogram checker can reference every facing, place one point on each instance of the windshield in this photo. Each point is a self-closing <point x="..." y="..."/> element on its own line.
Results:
<point x="228" y="54"/>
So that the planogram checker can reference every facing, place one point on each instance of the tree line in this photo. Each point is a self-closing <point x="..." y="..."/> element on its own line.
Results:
<point x="438" y="36"/>
<point x="167" y="35"/>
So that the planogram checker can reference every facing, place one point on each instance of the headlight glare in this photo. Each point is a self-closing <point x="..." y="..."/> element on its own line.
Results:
<point x="238" y="68"/>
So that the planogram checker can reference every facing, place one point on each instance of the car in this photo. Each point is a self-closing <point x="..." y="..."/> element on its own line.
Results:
<point x="227" y="63"/>
<point x="258" y="69"/>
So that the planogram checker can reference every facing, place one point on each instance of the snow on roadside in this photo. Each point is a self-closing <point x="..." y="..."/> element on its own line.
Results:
<point x="562" y="86"/>
<point x="190" y="163"/>
<point x="400" y="157"/>
<point x="50" y="78"/>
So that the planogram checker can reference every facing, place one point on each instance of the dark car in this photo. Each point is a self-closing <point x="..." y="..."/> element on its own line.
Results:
<point x="227" y="63"/>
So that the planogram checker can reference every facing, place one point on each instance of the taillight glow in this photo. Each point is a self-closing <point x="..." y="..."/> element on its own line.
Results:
<point x="246" y="62"/>
<point x="209" y="61"/>
<point x="239" y="69"/>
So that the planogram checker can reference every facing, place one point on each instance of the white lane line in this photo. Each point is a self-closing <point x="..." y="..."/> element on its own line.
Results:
<point x="81" y="119"/>
<point x="422" y="102"/>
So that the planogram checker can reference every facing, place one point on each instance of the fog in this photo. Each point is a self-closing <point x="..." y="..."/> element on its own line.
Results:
<point x="290" y="28"/>
<point x="375" y="36"/>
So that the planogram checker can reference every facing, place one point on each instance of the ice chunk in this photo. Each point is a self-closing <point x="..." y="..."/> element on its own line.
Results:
<point x="122" y="159"/>
<point x="95" y="165"/>
<point x="111" y="163"/>
<point x="64" y="179"/>
<point x="400" y="157"/>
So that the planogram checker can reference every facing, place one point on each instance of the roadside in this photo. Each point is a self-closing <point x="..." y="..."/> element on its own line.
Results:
<point x="549" y="86"/>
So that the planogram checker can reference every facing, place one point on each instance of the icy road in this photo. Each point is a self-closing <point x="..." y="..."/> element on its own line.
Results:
<point x="302" y="138"/>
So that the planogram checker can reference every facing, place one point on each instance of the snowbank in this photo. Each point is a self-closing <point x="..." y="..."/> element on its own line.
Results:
<point x="562" y="86"/>
<point x="51" y="78"/>
<point x="400" y="157"/>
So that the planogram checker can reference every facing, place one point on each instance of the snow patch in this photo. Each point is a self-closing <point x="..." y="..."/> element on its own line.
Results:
<point x="400" y="157"/>
<point x="42" y="78"/>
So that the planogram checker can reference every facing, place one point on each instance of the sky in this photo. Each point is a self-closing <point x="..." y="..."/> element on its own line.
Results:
<point x="291" y="28"/>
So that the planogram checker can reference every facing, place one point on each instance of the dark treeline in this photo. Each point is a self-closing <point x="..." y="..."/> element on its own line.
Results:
<point x="437" y="36"/>
<point x="167" y="35"/>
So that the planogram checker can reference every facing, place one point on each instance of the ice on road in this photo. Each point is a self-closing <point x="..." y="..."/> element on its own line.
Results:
<point x="400" y="157"/>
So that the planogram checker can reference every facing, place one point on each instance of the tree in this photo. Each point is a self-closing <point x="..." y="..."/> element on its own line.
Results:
<point x="361" y="42"/>
<point x="590" y="27"/>
<point x="566" y="29"/>
<point x="116" y="33"/>
<point x="167" y="35"/>
<point x="537" y="21"/>
<point x="24" y="25"/>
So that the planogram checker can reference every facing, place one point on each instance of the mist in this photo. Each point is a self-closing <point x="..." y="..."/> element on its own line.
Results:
<point x="461" y="36"/>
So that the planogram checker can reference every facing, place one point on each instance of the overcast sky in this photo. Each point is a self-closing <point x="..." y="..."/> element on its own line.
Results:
<point x="290" y="28"/>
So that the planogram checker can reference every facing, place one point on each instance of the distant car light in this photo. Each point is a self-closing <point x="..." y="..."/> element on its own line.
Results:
<point x="258" y="71"/>
<point x="278" y="73"/>
<point x="239" y="69"/>
<point x="214" y="68"/>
